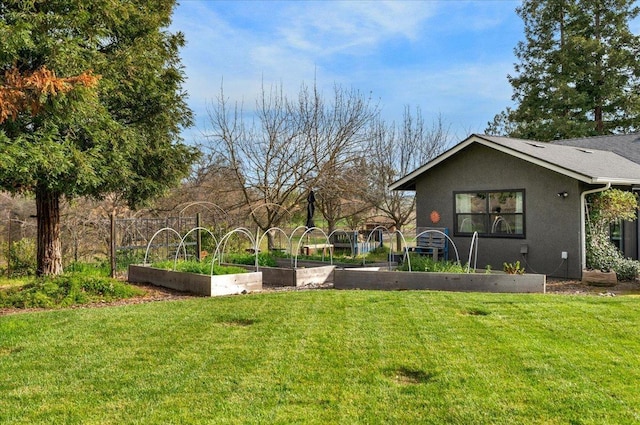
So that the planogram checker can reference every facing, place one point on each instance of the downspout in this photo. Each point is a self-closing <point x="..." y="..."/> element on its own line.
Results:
<point x="637" y="235"/>
<point x="583" y="218"/>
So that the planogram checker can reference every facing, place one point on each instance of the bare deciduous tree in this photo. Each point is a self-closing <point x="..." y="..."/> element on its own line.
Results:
<point x="264" y="158"/>
<point x="395" y="151"/>
<point x="336" y="134"/>
<point x="340" y="194"/>
<point x="289" y="148"/>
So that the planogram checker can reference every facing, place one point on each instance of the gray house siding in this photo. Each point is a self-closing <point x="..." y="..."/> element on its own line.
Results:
<point x="631" y="238"/>
<point x="552" y="223"/>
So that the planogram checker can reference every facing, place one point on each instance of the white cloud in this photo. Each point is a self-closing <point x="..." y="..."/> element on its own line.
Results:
<point x="348" y="42"/>
<point x="326" y="28"/>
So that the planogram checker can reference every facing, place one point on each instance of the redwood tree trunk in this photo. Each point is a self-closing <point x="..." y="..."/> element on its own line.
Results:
<point x="599" y="118"/>
<point x="49" y="246"/>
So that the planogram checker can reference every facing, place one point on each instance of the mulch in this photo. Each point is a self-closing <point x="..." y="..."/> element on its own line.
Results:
<point x="576" y="287"/>
<point x="156" y="293"/>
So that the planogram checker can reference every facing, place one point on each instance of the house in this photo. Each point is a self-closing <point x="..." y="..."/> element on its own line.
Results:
<point x="525" y="199"/>
<point x="626" y="236"/>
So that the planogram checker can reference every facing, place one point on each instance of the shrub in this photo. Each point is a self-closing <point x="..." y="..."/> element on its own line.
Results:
<point x="66" y="290"/>
<point x="125" y="257"/>
<point x="626" y="269"/>
<point x="603" y="255"/>
<point x="22" y="257"/>
<point x="606" y="208"/>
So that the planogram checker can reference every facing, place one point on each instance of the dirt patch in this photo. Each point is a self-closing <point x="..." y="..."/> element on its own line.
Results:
<point x="410" y="376"/>
<point x="576" y="287"/>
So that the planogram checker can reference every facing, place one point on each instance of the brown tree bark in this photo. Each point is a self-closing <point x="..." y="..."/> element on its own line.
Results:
<point x="599" y="119"/>
<point x="48" y="217"/>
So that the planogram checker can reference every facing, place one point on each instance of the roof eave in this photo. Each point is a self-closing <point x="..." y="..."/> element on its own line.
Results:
<point x="615" y="182"/>
<point x="403" y="185"/>
<point x="408" y="182"/>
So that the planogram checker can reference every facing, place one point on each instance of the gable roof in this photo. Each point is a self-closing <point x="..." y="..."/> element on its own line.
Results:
<point x="587" y="165"/>
<point x="625" y="145"/>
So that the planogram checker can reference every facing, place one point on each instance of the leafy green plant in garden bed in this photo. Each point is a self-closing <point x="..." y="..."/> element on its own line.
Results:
<point x="379" y="254"/>
<point x="197" y="267"/>
<point x="336" y="258"/>
<point x="268" y="259"/>
<point x="422" y="263"/>
<point x="265" y="259"/>
<point x="513" y="268"/>
<point x="66" y="290"/>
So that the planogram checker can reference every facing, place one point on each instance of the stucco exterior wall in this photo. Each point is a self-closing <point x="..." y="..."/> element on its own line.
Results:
<point x="552" y="223"/>
<point x="630" y="246"/>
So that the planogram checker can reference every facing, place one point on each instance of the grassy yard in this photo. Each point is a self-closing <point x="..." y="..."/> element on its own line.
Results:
<point x="326" y="357"/>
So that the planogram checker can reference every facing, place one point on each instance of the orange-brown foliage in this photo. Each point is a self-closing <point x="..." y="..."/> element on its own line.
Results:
<point x="20" y="92"/>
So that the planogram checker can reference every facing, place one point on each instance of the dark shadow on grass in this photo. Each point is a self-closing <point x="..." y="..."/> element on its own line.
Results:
<point x="236" y="321"/>
<point x="409" y="376"/>
<point x="476" y="312"/>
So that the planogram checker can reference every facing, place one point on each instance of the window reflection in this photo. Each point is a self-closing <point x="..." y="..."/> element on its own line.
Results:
<point x="493" y="213"/>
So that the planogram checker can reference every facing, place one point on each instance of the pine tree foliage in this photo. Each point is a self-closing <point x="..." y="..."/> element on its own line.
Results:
<point x="578" y="72"/>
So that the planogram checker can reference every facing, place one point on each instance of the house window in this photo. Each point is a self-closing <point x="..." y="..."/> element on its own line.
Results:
<point x="490" y="213"/>
<point x="617" y="235"/>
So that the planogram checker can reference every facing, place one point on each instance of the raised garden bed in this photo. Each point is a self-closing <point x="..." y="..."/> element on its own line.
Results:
<point x="303" y="262"/>
<point x="471" y="282"/>
<point x="227" y="284"/>
<point x="288" y="276"/>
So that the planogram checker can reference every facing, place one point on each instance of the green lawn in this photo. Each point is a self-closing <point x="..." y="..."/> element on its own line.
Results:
<point x="342" y="357"/>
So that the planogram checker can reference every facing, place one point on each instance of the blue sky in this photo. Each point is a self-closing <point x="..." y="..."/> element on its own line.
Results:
<point x="448" y="57"/>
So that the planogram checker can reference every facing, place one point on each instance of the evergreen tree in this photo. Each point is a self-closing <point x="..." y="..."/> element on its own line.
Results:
<point x="90" y="104"/>
<point x="578" y="73"/>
